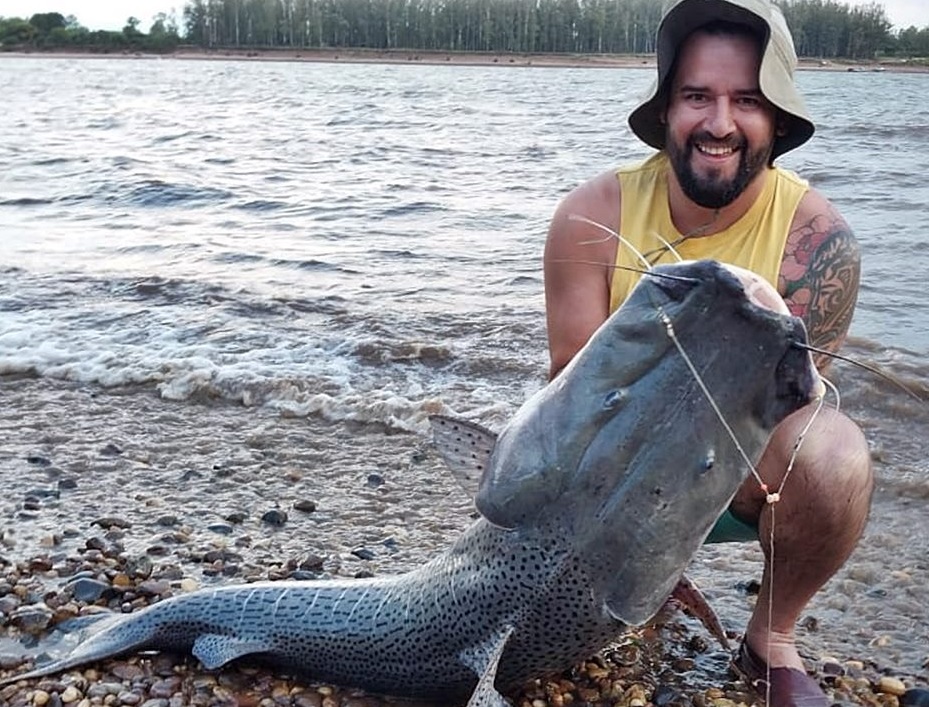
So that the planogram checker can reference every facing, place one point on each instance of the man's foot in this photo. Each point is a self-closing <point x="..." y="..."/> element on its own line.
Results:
<point x="781" y="687"/>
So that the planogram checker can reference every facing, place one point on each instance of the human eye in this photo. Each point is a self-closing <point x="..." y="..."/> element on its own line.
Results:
<point x="696" y="97"/>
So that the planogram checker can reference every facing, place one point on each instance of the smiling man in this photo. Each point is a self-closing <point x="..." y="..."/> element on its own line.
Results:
<point x="723" y="107"/>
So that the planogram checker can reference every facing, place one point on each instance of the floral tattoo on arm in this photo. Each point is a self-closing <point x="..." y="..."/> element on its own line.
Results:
<point x="819" y="278"/>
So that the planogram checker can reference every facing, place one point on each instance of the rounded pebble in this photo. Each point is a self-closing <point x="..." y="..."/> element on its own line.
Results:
<point x="71" y="694"/>
<point x="891" y="686"/>
<point x="274" y="517"/>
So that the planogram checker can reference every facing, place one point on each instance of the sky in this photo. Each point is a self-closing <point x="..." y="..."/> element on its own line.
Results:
<point x="107" y="14"/>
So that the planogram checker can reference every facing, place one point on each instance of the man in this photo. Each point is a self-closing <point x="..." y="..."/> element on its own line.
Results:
<point x="723" y="108"/>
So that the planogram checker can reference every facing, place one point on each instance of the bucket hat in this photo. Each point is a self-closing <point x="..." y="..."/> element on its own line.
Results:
<point x="775" y="76"/>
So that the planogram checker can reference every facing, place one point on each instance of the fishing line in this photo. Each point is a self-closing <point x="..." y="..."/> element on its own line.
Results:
<point x="770" y="498"/>
<point x="669" y="328"/>
<point x="610" y="234"/>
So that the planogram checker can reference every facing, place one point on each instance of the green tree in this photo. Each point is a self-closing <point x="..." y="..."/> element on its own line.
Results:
<point x="15" y="31"/>
<point x="913" y="42"/>
<point x="131" y="29"/>
<point x="45" y="22"/>
<point x="162" y="36"/>
<point x="196" y="23"/>
<point x="830" y="29"/>
<point x="824" y="28"/>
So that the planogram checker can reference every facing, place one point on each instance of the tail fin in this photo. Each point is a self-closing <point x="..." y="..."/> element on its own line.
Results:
<point x="84" y="639"/>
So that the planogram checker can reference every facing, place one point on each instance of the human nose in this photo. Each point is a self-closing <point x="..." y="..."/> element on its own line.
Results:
<point x="720" y="122"/>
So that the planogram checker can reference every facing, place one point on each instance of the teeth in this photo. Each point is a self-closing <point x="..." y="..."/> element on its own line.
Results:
<point x="714" y="150"/>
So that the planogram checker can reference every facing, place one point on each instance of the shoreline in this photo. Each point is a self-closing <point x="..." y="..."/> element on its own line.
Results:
<point x="451" y="58"/>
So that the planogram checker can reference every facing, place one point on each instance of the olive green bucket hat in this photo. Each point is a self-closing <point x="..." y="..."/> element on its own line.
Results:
<point x="775" y="79"/>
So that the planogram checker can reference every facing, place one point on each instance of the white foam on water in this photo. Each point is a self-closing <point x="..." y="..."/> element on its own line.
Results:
<point x="338" y="379"/>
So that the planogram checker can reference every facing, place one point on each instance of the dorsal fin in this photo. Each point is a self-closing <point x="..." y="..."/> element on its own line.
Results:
<point x="465" y="447"/>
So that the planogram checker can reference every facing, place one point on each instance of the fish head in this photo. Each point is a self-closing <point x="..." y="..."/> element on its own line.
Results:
<point x="636" y="449"/>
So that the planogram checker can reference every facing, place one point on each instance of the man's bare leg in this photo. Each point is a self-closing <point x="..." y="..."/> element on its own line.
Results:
<point x="816" y="523"/>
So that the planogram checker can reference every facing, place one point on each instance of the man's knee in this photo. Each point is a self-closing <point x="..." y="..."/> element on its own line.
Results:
<point x="820" y="457"/>
<point x="835" y="451"/>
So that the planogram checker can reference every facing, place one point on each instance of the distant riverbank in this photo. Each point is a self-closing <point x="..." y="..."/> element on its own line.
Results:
<point x="401" y="56"/>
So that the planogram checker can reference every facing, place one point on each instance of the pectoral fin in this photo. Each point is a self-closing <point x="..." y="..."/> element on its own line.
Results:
<point x="693" y="602"/>
<point x="214" y="650"/>
<point x="483" y="659"/>
<point x="465" y="447"/>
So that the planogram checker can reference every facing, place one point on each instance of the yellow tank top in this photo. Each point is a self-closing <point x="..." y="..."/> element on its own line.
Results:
<point x="756" y="241"/>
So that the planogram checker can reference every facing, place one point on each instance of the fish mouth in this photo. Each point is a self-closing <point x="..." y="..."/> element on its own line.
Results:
<point x="796" y="380"/>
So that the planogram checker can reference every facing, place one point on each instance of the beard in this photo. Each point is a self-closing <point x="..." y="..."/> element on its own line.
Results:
<point x="713" y="191"/>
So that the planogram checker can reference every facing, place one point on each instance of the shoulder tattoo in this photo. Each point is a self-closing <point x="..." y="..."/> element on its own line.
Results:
<point x="820" y="276"/>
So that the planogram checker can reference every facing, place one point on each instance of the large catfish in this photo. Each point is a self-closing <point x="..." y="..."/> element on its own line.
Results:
<point x="593" y="499"/>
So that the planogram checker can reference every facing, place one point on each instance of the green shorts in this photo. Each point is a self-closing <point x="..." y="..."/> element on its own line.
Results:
<point x="729" y="529"/>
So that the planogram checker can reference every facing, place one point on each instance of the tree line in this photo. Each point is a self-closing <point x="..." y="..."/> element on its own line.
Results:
<point x="826" y="29"/>
<point x="52" y="30"/>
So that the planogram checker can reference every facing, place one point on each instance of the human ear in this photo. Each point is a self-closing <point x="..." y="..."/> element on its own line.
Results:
<point x="780" y="127"/>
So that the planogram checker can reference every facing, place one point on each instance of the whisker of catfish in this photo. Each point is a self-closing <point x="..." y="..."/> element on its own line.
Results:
<point x="650" y="273"/>
<point x="872" y="369"/>
<point x="670" y="246"/>
<point x="610" y="234"/>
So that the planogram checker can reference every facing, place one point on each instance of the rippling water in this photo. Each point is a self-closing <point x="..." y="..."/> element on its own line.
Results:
<point x="267" y="230"/>
<point x="363" y="243"/>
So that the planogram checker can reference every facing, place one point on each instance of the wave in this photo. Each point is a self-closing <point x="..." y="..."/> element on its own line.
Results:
<point x="26" y="201"/>
<point x="262" y="205"/>
<point x="349" y="373"/>
<point x="156" y="192"/>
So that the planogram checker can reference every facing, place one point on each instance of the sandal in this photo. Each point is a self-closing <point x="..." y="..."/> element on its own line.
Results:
<point x="782" y="687"/>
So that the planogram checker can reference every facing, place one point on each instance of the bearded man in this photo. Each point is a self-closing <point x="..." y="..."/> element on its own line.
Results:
<point x="722" y="109"/>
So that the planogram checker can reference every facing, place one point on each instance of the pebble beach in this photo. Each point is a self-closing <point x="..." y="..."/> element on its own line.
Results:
<point x="234" y="506"/>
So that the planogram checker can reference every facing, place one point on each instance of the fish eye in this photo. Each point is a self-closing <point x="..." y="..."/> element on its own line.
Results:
<point x="613" y="399"/>
<point x="709" y="460"/>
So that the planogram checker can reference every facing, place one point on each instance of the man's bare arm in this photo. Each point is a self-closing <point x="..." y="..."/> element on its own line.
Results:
<point x="578" y="260"/>
<point x="821" y="273"/>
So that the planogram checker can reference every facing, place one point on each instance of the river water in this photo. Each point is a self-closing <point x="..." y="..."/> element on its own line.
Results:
<point x="232" y="285"/>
